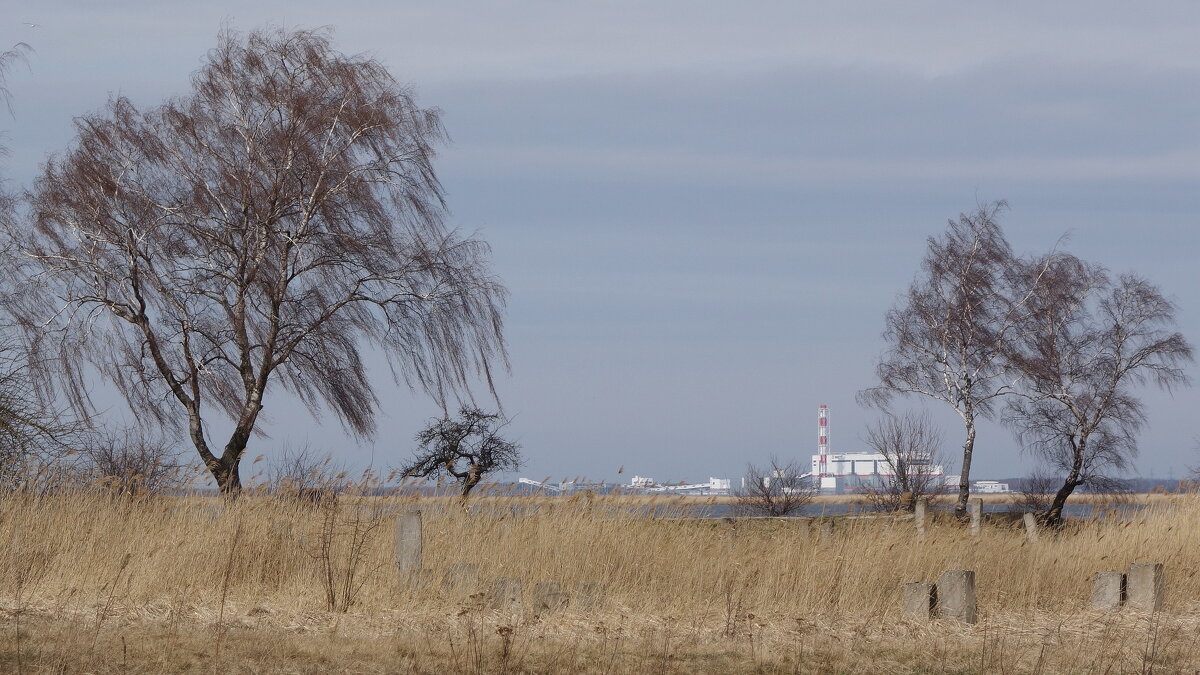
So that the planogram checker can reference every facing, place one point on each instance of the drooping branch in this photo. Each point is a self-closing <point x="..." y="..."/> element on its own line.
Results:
<point x="261" y="231"/>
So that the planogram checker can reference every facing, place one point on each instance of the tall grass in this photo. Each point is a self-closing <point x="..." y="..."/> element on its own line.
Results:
<point x="755" y="593"/>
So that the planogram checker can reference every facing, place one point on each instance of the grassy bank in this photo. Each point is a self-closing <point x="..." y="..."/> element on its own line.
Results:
<point x="91" y="583"/>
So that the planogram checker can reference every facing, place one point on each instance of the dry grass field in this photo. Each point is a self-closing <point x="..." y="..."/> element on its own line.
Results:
<point x="94" y="584"/>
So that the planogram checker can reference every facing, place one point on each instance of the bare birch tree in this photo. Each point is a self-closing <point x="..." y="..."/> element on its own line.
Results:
<point x="943" y="337"/>
<point x="259" y="232"/>
<point x="1087" y="341"/>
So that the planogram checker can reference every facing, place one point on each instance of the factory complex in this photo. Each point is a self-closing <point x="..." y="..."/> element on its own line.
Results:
<point x="830" y="473"/>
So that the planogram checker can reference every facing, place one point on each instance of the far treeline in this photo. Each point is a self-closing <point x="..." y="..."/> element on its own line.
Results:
<point x="261" y="231"/>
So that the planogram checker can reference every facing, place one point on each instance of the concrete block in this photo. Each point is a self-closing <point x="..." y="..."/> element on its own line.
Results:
<point x="826" y="531"/>
<point x="919" y="517"/>
<point x="976" y="508"/>
<point x="419" y="580"/>
<point x="548" y="596"/>
<point x="590" y="595"/>
<point x="918" y="601"/>
<point x="1144" y="587"/>
<point x="408" y="541"/>
<point x="506" y="594"/>
<point x="956" y="595"/>
<point x="1031" y="527"/>
<point x="1108" y="591"/>
<point x="460" y="579"/>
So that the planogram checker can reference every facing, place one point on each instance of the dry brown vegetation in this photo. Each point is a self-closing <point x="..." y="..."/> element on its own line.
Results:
<point x="96" y="584"/>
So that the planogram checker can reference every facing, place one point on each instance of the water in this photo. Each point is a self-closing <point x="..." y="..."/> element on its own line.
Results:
<point x="819" y="510"/>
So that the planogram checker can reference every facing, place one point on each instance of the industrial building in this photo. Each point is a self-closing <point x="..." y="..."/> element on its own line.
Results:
<point x="837" y="473"/>
<point x="990" y="487"/>
<point x="714" y="486"/>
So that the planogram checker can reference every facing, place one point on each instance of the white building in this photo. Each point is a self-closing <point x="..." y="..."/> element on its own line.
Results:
<point x="990" y="487"/>
<point x="714" y="486"/>
<point x="841" y="470"/>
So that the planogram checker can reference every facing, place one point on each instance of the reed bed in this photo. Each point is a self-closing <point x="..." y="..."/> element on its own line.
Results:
<point x="93" y="583"/>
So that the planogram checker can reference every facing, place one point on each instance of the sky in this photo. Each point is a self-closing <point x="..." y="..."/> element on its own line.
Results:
<point x="702" y="211"/>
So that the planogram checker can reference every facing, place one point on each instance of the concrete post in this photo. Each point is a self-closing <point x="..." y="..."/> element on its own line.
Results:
<point x="826" y="530"/>
<point x="1144" y="587"/>
<point x="548" y="597"/>
<point x="802" y="529"/>
<point x="589" y="595"/>
<point x="1031" y="527"/>
<point x="956" y="595"/>
<point x="460" y="580"/>
<point x="976" y="506"/>
<point x="919" y="517"/>
<point x="506" y="594"/>
<point x="918" y="601"/>
<point x="1108" y="591"/>
<point x="408" y="541"/>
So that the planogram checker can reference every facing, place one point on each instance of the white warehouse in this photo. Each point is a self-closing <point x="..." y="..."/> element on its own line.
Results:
<point x="841" y="470"/>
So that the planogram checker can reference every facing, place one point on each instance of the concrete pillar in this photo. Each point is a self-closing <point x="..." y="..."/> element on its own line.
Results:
<point x="918" y="601"/>
<point x="408" y="541"/>
<point x="1031" y="527"/>
<point x="1144" y="587"/>
<point x="826" y="530"/>
<point x="1108" y="591"/>
<point x="460" y="580"/>
<point x="548" y="597"/>
<point x="976" y="507"/>
<point x="590" y="595"/>
<point x="919" y="517"/>
<point x="956" y="595"/>
<point x="506" y="594"/>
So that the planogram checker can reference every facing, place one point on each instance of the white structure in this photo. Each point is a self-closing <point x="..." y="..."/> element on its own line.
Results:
<point x="838" y="469"/>
<point x="714" y="486"/>
<point x="990" y="487"/>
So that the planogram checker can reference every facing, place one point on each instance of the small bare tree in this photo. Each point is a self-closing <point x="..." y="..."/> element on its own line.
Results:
<point x="468" y="448"/>
<point x="778" y="490"/>
<point x="302" y="475"/>
<point x="944" y="336"/>
<point x="911" y="447"/>
<point x="1088" y="341"/>
<point x="134" y="463"/>
<point x="1036" y="492"/>
<point x="261" y="231"/>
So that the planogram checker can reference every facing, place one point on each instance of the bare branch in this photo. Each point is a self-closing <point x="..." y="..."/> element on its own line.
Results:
<point x="468" y="448"/>
<point x="1086" y="342"/>
<point x="263" y="230"/>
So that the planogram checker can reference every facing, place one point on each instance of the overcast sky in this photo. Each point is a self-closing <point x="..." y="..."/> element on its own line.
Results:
<point x="702" y="213"/>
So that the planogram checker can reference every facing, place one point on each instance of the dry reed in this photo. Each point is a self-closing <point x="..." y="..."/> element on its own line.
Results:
<point x="88" y="582"/>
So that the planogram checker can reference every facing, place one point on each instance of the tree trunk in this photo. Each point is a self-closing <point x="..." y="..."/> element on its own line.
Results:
<point x="1053" y="517"/>
<point x="964" y="477"/>
<point x="225" y="471"/>
<point x="471" y="479"/>
<point x="225" y="468"/>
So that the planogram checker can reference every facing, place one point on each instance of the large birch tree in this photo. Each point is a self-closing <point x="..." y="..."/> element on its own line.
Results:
<point x="260" y="232"/>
